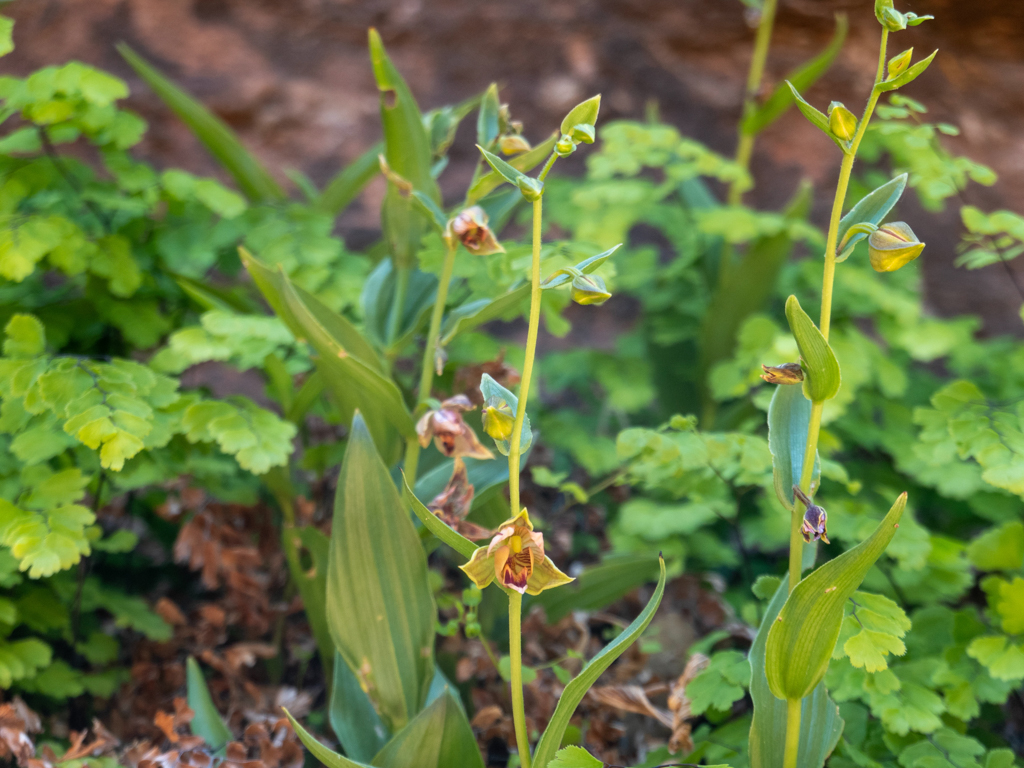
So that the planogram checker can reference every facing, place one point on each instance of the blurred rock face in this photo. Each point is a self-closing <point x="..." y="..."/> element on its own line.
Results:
<point x="294" y="80"/>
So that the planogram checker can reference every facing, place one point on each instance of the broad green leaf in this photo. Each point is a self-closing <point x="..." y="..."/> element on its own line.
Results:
<point x="912" y="73"/>
<point x="821" y="369"/>
<point x="490" y="388"/>
<point x="355" y="722"/>
<point x="998" y="549"/>
<point x="439" y="737"/>
<point x="871" y="209"/>
<point x="801" y="640"/>
<point x="435" y="525"/>
<point x="380" y="609"/>
<point x="747" y="287"/>
<point x="722" y="683"/>
<point x="487" y="126"/>
<point x="24" y="337"/>
<point x="803" y="78"/>
<point x="207" y="722"/>
<point x="574" y="692"/>
<point x="574" y="757"/>
<point x="252" y="177"/>
<point x="820" y="723"/>
<point x="584" y="113"/>
<point x="407" y="151"/>
<point x="326" y="756"/>
<point x="599" y="585"/>
<point x="524" y="162"/>
<point x="789" y="415"/>
<point x="311" y="583"/>
<point x="346" y="186"/>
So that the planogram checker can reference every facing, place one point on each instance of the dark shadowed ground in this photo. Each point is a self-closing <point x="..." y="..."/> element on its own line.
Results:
<point x="294" y="79"/>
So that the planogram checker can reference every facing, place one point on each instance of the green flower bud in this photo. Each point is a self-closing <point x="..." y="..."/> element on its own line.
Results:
<point x="583" y="134"/>
<point x="513" y="145"/>
<point x="565" y="146"/>
<point x="841" y="121"/>
<point x="899" y="63"/>
<point x="893" y="245"/>
<point x="893" y="20"/>
<point x="913" y="19"/>
<point x="589" y="289"/>
<point x="498" y="419"/>
<point x="531" y="188"/>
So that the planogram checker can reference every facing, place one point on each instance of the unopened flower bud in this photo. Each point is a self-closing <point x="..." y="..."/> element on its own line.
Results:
<point x="589" y="289"/>
<point x="513" y="145"/>
<point x="899" y="63"/>
<point x="470" y="226"/>
<point x="787" y="373"/>
<point x="531" y="188"/>
<point x="841" y="121"/>
<point x="893" y="245"/>
<point x="583" y="134"/>
<point x="565" y="146"/>
<point x="498" y="419"/>
<point x="893" y="20"/>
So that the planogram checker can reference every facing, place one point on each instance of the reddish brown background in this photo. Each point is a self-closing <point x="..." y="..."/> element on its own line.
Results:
<point x="293" y="79"/>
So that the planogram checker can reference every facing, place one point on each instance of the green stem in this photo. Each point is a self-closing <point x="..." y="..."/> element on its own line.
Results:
<point x="398" y="304"/>
<point x="531" y="351"/>
<point x="412" y="446"/>
<point x="515" y="652"/>
<point x="827" y="285"/>
<point x="793" y="712"/>
<point x="754" y="76"/>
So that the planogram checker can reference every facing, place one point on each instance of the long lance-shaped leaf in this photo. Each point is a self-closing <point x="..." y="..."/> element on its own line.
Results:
<point x="439" y="737"/>
<point x="802" y="78"/>
<point x="578" y="687"/>
<point x="435" y="525"/>
<point x="349" y="182"/>
<point x="207" y="722"/>
<point x="820" y="723"/>
<point x="251" y="176"/>
<point x="801" y="640"/>
<point x="407" y="151"/>
<point x="870" y="209"/>
<point x="821" y="369"/>
<point x="380" y="609"/>
<point x="349" y="365"/>
<point x="326" y="756"/>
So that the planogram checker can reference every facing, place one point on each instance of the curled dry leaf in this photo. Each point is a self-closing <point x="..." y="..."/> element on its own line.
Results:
<point x="679" y="705"/>
<point x="630" y="698"/>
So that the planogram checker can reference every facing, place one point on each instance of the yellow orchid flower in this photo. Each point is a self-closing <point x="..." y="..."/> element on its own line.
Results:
<point x="515" y="558"/>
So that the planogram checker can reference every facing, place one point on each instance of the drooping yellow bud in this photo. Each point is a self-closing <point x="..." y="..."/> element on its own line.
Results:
<point x="892" y="246"/>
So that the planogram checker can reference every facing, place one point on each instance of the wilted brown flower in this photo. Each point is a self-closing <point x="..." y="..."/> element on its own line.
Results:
<point x="815" y="519"/>
<point x="787" y="373"/>
<point x="451" y="435"/>
<point x="470" y="227"/>
<point x="454" y="502"/>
